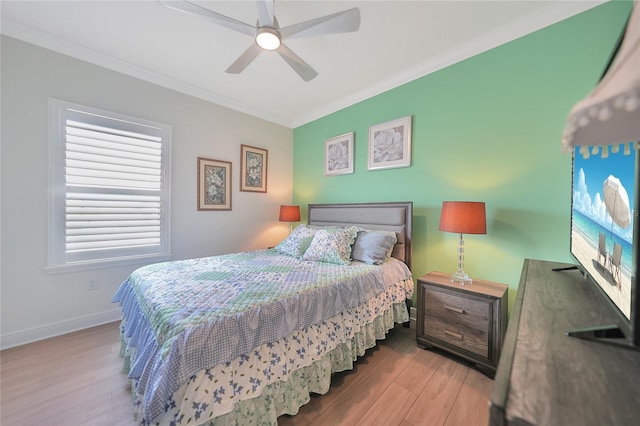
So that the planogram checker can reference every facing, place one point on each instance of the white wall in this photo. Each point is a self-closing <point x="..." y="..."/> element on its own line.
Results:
<point x="36" y="304"/>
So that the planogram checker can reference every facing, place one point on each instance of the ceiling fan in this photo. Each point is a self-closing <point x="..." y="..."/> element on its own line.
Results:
<point x="269" y="36"/>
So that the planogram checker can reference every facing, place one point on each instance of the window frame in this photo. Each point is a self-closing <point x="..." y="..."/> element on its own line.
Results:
<point x="58" y="260"/>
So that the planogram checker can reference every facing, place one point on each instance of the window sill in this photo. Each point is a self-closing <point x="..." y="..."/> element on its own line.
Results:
<point x="110" y="263"/>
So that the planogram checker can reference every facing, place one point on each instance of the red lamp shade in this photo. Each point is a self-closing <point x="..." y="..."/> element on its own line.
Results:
<point x="463" y="217"/>
<point x="289" y="214"/>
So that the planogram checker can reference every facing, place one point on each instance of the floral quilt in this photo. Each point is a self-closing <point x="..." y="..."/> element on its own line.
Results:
<point x="185" y="316"/>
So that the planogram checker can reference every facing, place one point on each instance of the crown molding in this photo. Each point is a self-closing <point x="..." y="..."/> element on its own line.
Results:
<point x="43" y="39"/>
<point x="501" y="35"/>
<point x="555" y="12"/>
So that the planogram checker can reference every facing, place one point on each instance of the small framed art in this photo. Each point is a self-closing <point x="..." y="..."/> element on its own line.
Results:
<point x="390" y="144"/>
<point x="253" y="169"/>
<point x="338" y="155"/>
<point x="214" y="184"/>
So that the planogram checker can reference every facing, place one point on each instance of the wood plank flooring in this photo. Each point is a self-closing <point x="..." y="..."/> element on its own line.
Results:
<point x="76" y="380"/>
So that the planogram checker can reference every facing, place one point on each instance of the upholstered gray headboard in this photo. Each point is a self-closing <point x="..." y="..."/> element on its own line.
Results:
<point x="391" y="216"/>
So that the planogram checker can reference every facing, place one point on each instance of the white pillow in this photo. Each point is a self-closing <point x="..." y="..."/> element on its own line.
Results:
<point x="332" y="246"/>
<point x="297" y="242"/>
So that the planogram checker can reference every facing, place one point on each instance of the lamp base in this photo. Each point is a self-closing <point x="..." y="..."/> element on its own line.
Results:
<point x="462" y="278"/>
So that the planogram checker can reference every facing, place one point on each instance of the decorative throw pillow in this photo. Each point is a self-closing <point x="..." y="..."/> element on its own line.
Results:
<point x="332" y="246"/>
<point x="297" y="242"/>
<point x="373" y="247"/>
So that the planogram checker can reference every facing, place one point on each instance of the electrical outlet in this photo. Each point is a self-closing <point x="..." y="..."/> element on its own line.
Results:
<point x="92" y="285"/>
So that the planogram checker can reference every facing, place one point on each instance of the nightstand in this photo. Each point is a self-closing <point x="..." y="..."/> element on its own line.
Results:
<point x="468" y="321"/>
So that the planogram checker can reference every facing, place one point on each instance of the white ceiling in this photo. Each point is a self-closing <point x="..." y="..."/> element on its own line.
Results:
<point x="398" y="41"/>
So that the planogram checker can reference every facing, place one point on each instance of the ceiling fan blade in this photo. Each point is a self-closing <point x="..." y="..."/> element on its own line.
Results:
<point x="341" y="22"/>
<point x="245" y="59"/>
<point x="303" y="69"/>
<point x="265" y="13"/>
<point x="225" y="21"/>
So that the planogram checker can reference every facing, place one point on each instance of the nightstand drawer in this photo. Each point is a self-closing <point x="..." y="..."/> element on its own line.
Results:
<point x="460" y="309"/>
<point x="461" y="336"/>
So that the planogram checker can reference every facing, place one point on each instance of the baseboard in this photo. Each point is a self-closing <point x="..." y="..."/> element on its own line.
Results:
<point x="412" y="317"/>
<point x="34" y="334"/>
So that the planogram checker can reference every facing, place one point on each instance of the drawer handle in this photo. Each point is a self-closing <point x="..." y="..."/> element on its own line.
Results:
<point x="452" y="334"/>
<point x="452" y="309"/>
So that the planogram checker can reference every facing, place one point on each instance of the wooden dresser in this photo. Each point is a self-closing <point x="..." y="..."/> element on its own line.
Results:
<point x="468" y="321"/>
<point x="547" y="378"/>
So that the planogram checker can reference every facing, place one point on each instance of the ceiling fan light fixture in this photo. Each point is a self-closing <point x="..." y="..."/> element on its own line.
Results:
<point x="268" y="35"/>
<point x="268" y="38"/>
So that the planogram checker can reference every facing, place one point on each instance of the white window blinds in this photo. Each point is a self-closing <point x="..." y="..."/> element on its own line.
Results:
<point x="112" y="187"/>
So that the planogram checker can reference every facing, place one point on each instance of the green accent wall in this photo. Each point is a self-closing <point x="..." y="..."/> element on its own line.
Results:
<point x="484" y="129"/>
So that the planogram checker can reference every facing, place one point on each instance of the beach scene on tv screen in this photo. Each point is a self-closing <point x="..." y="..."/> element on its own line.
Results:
<point x="602" y="220"/>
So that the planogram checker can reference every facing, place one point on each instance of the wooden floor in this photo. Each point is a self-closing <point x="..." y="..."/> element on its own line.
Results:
<point x="75" y="380"/>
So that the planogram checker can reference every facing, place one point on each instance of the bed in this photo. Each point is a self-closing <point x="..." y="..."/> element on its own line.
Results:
<point x="247" y="337"/>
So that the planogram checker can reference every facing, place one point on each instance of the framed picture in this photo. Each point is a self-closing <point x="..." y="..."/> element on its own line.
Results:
<point x="214" y="184"/>
<point x="390" y="144"/>
<point x="338" y="155"/>
<point x="253" y="169"/>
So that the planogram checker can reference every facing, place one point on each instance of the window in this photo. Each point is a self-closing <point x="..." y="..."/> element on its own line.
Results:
<point x="109" y="188"/>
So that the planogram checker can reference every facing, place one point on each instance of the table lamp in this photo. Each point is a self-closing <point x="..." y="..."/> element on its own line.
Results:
<point x="289" y="214"/>
<point x="463" y="217"/>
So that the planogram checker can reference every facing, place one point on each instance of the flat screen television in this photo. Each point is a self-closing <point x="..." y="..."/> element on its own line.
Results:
<point x="604" y="235"/>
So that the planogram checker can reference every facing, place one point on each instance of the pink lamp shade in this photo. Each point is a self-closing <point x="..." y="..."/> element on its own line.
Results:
<point x="289" y="214"/>
<point x="463" y="217"/>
